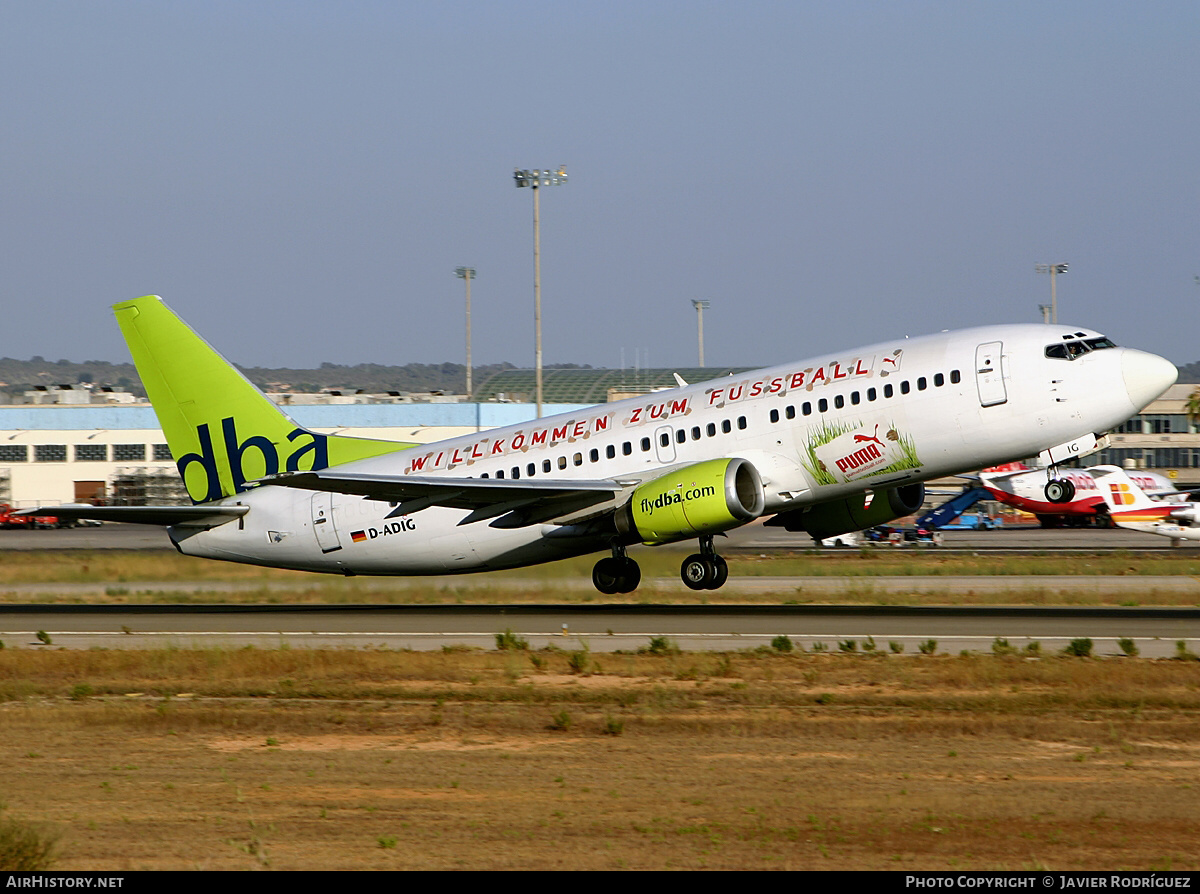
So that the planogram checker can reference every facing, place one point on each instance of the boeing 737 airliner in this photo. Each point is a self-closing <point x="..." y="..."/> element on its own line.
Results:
<point x="827" y="445"/>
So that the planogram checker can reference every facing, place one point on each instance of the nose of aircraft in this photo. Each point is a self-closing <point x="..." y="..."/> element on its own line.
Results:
<point x="1146" y="376"/>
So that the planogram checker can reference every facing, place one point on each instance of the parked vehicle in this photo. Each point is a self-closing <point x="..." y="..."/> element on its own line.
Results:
<point x="974" y="521"/>
<point x="854" y="538"/>
<point x="9" y="520"/>
<point x="916" y="537"/>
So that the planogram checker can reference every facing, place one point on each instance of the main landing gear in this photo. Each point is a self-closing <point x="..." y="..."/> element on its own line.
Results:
<point x="616" y="574"/>
<point x="704" y="570"/>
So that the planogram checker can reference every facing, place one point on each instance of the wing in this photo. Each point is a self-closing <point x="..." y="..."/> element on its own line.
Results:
<point x="197" y="516"/>
<point x="512" y="503"/>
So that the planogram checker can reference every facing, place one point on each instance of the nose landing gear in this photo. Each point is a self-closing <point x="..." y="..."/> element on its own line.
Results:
<point x="1060" y="490"/>
<point x="704" y="570"/>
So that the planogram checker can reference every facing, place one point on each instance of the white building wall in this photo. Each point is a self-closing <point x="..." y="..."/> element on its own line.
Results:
<point x="40" y="482"/>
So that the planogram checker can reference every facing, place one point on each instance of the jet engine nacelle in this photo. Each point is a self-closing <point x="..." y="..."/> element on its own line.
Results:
<point x="704" y="498"/>
<point x="1186" y="514"/>
<point x="853" y="513"/>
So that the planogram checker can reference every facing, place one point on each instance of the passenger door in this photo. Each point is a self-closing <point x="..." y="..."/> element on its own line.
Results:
<point x="989" y="377"/>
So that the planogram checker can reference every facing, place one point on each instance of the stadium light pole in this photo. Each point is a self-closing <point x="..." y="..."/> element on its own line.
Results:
<point x="700" y="306"/>
<point x="1053" y="270"/>
<point x="535" y="180"/>
<point x="467" y="274"/>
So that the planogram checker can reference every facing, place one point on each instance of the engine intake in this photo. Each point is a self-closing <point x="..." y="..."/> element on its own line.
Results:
<point x="704" y="498"/>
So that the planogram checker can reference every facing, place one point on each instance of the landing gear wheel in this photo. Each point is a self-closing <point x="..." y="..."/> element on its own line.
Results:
<point x="700" y="572"/>
<point x="1060" y="490"/>
<point x="616" y="574"/>
<point x="606" y="576"/>
<point x="697" y="572"/>
<point x="722" y="573"/>
<point x="631" y="575"/>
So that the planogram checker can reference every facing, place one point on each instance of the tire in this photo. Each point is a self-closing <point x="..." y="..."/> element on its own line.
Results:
<point x="631" y="575"/>
<point x="721" y="567"/>
<point x="607" y="576"/>
<point x="1060" y="490"/>
<point x="697" y="572"/>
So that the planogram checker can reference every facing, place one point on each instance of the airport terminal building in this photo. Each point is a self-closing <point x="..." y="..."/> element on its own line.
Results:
<point x="78" y="444"/>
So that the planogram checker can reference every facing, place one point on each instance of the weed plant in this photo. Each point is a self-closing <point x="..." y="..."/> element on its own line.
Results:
<point x="25" y="847"/>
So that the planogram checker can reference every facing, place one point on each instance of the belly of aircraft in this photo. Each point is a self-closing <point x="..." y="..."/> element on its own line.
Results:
<point x="314" y="533"/>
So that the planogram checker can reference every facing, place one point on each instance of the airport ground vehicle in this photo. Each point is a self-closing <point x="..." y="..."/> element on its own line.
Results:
<point x="11" y="518"/>
<point x="841" y="541"/>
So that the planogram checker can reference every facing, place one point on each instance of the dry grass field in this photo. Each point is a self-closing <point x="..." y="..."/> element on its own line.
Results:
<point x="511" y="759"/>
<point x="517" y="760"/>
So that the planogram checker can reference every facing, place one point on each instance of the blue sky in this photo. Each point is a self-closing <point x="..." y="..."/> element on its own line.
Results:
<point x="299" y="180"/>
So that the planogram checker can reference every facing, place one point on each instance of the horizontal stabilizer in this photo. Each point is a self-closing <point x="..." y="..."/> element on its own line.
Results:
<point x="198" y="516"/>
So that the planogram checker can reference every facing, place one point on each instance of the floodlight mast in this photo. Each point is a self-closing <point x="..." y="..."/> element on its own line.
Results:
<point x="534" y="180"/>
<point x="467" y="274"/>
<point x="700" y="306"/>
<point x="1053" y="270"/>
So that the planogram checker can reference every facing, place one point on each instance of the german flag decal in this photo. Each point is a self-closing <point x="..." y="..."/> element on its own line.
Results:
<point x="358" y="536"/>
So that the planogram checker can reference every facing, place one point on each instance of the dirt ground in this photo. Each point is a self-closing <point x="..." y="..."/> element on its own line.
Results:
<point x="487" y="761"/>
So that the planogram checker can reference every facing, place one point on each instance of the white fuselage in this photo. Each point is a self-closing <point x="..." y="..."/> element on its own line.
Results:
<point x="816" y="430"/>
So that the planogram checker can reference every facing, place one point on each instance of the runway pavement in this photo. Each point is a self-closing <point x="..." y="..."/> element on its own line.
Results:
<point x="596" y="627"/>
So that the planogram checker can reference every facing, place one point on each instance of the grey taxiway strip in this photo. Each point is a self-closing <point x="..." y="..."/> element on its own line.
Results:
<point x="600" y="628"/>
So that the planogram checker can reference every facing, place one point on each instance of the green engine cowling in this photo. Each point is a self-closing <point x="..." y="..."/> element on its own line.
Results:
<point x="853" y="513"/>
<point x="704" y="498"/>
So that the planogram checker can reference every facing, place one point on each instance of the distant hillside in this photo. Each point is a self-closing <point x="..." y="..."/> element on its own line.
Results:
<point x="22" y="375"/>
<point x="1190" y="374"/>
<point x="17" y="376"/>
<point x="371" y="377"/>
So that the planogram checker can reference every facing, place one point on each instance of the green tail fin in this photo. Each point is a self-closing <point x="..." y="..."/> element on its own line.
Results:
<point x="222" y="431"/>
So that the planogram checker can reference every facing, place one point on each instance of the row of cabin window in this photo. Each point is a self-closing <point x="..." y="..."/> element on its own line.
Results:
<point x="610" y="451"/>
<point x="57" y="453"/>
<point x="681" y="434"/>
<point x="839" y="400"/>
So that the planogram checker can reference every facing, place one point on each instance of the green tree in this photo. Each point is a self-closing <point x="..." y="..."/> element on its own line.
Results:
<point x="1192" y="407"/>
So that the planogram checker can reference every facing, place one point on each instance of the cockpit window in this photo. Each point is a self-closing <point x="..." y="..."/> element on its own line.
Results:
<point x="1070" y="349"/>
